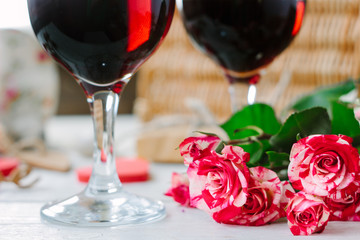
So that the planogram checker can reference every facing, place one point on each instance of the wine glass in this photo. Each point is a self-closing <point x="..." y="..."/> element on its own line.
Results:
<point x="102" y="43"/>
<point x="242" y="36"/>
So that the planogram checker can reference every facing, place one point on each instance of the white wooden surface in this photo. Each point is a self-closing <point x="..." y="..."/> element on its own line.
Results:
<point x="19" y="208"/>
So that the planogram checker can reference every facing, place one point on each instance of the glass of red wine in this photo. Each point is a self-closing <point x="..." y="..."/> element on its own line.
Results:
<point x="242" y="36"/>
<point x="102" y="43"/>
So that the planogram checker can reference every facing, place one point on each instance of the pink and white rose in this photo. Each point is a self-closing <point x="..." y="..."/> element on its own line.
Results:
<point x="194" y="148"/>
<point x="235" y="154"/>
<point x="307" y="214"/>
<point x="346" y="208"/>
<point x="219" y="183"/>
<point x="267" y="198"/>
<point x="323" y="164"/>
<point x="179" y="189"/>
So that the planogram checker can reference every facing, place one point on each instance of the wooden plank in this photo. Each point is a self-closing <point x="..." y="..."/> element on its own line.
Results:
<point x="22" y="221"/>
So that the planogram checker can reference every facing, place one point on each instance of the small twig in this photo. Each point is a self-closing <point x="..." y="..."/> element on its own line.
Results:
<point x="249" y="140"/>
<point x="252" y="127"/>
<point x="220" y="147"/>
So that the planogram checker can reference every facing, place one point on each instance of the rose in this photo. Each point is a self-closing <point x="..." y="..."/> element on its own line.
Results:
<point x="194" y="148"/>
<point x="323" y="164"/>
<point x="346" y="208"/>
<point x="307" y="214"/>
<point x="235" y="154"/>
<point x="179" y="189"/>
<point x="267" y="198"/>
<point x="219" y="182"/>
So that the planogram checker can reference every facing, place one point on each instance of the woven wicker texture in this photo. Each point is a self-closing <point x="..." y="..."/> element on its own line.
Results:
<point x="326" y="51"/>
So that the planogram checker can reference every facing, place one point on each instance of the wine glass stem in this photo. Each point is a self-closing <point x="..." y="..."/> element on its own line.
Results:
<point x="236" y="95"/>
<point x="104" y="178"/>
<point x="251" y="94"/>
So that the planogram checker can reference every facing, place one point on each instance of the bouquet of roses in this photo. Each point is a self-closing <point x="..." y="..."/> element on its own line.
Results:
<point x="306" y="169"/>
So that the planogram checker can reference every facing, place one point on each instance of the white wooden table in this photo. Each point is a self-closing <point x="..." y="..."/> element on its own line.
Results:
<point x="19" y="208"/>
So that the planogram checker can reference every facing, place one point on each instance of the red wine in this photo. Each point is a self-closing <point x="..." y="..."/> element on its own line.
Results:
<point x="101" y="42"/>
<point x="242" y="35"/>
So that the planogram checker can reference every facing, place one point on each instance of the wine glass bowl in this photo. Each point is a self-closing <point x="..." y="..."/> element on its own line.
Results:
<point x="242" y="36"/>
<point x="102" y="44"/>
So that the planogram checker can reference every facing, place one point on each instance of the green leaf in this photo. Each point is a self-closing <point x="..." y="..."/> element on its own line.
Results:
<point x="252" y="127"/>
<point x="277" y="161"/>
<point x="356" y="142"/>
<point x="344" y="121"/>
<point x="311" y="121"/>
<point x="256" y="150"/>
<point x="259" y="115"/>
<point x="322" y="97"/>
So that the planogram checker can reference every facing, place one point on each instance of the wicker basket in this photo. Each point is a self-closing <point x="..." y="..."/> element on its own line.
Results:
<point x="326" y="51"/>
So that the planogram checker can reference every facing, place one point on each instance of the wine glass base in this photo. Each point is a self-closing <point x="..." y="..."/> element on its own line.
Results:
<point x="103" y="211"/>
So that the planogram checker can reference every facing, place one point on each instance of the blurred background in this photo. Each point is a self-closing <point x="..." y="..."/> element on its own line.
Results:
<point x="325" y="52"/>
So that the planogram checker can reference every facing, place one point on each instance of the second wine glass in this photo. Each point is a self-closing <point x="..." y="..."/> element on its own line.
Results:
<point x="242" y="36"/>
